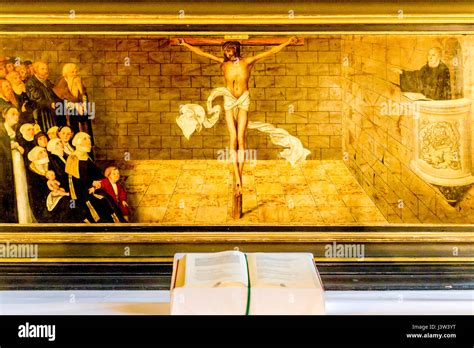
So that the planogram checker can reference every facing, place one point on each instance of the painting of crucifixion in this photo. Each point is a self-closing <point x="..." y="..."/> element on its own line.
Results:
<point x="317" y="129"/>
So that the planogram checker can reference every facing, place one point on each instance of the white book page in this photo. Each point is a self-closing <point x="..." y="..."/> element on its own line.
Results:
<point x="223" y="269"/>
<point x="286" y="270"/>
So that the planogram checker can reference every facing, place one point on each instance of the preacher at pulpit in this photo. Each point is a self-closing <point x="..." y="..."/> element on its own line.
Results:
<point x="432" y="80"/>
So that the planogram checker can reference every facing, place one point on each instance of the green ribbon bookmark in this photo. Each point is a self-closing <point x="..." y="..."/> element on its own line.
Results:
<point x="247" y="310"/>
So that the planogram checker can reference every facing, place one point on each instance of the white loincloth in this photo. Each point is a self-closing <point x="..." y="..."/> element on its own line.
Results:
<point x="193" y="117"/>
<point x="231" y="102"/>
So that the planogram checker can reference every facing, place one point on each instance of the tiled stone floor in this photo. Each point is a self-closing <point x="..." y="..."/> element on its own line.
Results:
<point x="200" y="192"/>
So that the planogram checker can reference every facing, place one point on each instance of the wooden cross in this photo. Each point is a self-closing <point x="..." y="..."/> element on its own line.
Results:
<point x="211" y="41"/>
<point x="245" y="41"/>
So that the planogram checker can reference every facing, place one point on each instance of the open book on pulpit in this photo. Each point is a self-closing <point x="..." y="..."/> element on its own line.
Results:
<point x="233" y="282"/>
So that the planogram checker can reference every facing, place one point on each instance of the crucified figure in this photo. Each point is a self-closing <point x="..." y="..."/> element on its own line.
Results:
<point x="236" y="70"/>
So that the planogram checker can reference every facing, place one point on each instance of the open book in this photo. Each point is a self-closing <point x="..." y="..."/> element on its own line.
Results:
<point x="232" y="282"/>
<point x="229" y="269"/>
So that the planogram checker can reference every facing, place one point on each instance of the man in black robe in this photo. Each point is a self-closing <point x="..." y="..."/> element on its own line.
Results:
<point x="7" y="183"/>
<point x="24" y="104"/>
<point x="432" y="80"/>
<point x="40" y="90"/>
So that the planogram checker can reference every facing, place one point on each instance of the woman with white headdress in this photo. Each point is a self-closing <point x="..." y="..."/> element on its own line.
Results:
<point x="57" y="160"/>
<point x="45" y="205"/>
<point x="26" y="139"/>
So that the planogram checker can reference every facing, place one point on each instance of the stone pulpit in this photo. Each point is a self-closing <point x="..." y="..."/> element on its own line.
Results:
<point x="442" y="145"/>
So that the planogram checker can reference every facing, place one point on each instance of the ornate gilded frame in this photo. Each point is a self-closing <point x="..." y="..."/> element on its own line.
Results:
<point x="105" y="243"/>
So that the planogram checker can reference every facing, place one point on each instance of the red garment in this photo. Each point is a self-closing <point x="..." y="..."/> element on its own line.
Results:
<point x="106" y="185"/>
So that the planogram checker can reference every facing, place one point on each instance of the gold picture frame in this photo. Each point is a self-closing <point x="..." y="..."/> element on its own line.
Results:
<point x="157" y="243"/>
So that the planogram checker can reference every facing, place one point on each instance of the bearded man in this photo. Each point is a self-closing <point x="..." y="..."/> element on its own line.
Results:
<point x="27" y="106"/>
<point x="40" y="91"/>
<point x="70" y="88"/>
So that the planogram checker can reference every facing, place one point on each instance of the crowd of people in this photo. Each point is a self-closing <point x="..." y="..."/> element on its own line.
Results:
<point x="47" y="171"/>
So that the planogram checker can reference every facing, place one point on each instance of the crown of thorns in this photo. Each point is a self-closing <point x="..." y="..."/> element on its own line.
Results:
<point x="231" y="44"/>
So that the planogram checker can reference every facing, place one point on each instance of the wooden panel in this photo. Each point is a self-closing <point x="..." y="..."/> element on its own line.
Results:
<point x="152" y="276"/>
